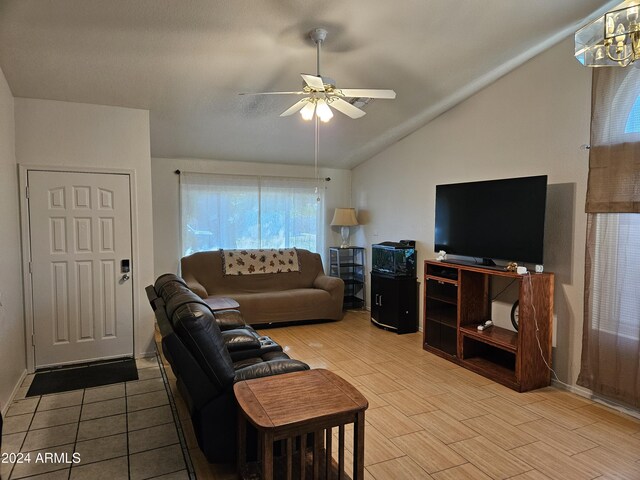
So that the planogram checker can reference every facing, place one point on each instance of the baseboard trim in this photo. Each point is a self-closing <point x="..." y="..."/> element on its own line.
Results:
<point x="586" y="393"/>
<point x="14" y="392"/>
<point x="145" y="354"/>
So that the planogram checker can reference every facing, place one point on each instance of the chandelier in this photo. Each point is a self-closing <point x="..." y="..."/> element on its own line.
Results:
<point x="611" y="40"/>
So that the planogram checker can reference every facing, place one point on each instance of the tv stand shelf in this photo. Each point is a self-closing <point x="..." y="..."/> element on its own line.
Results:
<point x="457" y="299"/>
<point x="496" y="336"/>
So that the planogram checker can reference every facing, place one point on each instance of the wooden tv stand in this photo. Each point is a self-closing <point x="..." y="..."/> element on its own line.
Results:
<point x="457" y="300"/>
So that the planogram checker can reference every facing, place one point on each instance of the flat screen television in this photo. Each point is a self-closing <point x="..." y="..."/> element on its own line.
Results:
<point x="494" y="219"/>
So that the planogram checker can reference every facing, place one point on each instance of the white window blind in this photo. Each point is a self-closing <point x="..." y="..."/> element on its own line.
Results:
<point x="237" y="211"/>
<point x="615" y="282"/>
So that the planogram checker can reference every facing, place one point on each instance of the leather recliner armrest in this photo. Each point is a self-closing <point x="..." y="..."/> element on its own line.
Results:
<point x="270" y="368"/>
<point x="228" y="319"/>
<point x="240" y="339"/>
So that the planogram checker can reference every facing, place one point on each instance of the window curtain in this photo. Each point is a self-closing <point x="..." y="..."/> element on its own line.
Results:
<point x="292" y="213"/>
<point x="241" y="211"/>
<point x="610" y="363"/>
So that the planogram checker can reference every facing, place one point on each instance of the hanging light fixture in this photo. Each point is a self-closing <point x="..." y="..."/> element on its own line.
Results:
<point x="611" y="40"/>
<point x="323" y="111"/>
<point x="308" y="110"/>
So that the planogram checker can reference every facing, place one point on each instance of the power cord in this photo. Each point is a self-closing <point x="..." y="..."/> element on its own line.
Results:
<point x="535" y="321"/>
<point x="609" y="403"/>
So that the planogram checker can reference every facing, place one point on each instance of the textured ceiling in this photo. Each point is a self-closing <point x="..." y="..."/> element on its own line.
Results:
<point x="186" y="62"/>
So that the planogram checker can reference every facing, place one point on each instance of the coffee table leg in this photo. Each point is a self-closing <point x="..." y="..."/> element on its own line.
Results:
<point x="242" y="444"/>
<point x="358" y="447"/>
<point x="267" y="456"/>
<point x="289" y="458"/>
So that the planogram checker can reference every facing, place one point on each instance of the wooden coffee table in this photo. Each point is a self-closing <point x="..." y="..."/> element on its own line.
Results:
<point x="221" y="303"/>
<point x="292" y="405"/>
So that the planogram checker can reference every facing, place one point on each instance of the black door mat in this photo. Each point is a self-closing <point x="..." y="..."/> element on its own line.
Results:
<point x="85" y="375"/>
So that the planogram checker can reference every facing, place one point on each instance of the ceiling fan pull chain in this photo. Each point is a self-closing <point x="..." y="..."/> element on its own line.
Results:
<point x="317" y="146"/>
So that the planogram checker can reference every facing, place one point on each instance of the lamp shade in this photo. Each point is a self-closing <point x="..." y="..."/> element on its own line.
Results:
<point x="344" y="217"/>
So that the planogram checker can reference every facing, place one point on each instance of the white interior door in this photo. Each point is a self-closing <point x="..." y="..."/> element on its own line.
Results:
<point x="80" y="237"/>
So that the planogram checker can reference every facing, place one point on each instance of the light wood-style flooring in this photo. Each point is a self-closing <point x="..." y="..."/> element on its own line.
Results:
<point x="430" y="419"/>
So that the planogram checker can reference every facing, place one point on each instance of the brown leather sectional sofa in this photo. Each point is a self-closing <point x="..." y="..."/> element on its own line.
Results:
<point x="266" y="298"/>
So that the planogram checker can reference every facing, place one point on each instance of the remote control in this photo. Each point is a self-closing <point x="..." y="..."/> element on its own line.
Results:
<point x="485" y="325"/>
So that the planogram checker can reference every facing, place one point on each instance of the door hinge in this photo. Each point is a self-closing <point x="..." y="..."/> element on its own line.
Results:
<point x="33" y="340"/>
<point x="26" y="191"/>
<point x="30" y="267"/>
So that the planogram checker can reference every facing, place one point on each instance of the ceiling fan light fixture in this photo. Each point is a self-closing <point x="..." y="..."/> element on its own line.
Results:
<point x="308" y="110"/>
<point x="323" y="111"/>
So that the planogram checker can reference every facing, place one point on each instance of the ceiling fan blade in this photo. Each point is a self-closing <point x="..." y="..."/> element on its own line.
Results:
<point x="313" y="81"/>
<point x="272" y="93"/>
<point x="346" y="108"/>
<point x="294" y="108"/>
<point x="367" y="93"/>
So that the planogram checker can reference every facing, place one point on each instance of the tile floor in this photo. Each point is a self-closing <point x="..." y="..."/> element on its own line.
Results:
<point x="119" y="431"/>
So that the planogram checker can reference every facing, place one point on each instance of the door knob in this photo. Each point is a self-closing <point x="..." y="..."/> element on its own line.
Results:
<point x="125" y="277"/>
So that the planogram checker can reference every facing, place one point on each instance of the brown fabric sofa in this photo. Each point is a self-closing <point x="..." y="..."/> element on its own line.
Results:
<point x="269" y="297"/>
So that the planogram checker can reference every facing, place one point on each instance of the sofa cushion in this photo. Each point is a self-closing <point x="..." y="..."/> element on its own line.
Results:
<point x="166" y="285"/>
<point x="263" y="357"/>
<point x="241" y="339"/>
<point x="197" y="329"/>
<point x="182" y="298"/>
<point x="286" y="305"/>
<point x="229" y="319"/>
<point x="272" y="367"/>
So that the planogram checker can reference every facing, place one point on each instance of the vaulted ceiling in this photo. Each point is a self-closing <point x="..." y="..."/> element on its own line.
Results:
<point x="187" y="60"/>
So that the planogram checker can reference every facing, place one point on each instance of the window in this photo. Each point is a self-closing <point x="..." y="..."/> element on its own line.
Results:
<point x="233" y="211"/>
<point x="611" y="328"/>
<point x="633" y="120"/>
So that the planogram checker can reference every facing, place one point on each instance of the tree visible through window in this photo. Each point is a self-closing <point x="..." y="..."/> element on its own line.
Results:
<point x="232" y="212"/>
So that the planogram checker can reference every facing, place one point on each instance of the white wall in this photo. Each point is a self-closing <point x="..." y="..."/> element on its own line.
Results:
<point x="12" y="346"/>
<point x="166" y="201"/>
<point x="52" y="133"/>
<point x="530" y="122"/>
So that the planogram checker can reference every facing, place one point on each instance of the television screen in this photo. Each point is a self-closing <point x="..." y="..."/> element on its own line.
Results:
<point x="495" y="219"/>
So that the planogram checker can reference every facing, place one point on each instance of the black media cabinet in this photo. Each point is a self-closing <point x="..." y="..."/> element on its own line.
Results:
<point x="394" y="302"/>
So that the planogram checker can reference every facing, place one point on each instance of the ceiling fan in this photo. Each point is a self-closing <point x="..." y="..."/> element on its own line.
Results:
<point x="321" y="94"/>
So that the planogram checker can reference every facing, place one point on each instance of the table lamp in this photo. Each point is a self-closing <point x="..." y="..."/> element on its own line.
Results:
<point x="344" y="218"/>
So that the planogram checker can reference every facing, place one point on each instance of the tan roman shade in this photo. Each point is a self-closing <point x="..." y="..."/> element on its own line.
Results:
<point x="614" y="158"/>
